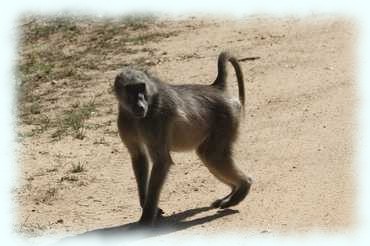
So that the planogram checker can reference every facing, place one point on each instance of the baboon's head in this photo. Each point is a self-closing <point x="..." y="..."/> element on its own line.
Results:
<point x="132" y="92"/>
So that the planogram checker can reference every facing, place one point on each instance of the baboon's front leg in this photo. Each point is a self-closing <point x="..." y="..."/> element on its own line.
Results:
<point x="161" y="165"/>
<point x="139" y="162"/>
<point x="140" y="166"/>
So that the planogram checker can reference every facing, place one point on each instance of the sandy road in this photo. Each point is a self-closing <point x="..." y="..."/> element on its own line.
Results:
<point x="296" y="140"/>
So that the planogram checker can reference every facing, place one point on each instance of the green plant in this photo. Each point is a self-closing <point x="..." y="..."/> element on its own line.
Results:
<point x="75" y="119"/>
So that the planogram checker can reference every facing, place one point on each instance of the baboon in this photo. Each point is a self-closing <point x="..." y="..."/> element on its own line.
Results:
<point x="156" y="118"/>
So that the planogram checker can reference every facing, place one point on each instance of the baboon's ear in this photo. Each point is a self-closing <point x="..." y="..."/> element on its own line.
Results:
<point x="118" y="77"/>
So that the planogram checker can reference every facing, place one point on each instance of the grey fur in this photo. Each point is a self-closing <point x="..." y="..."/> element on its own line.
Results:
<point x="164" y="118"/>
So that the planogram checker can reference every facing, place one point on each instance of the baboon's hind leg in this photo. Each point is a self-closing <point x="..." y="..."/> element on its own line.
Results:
<point x="217" y="157"/>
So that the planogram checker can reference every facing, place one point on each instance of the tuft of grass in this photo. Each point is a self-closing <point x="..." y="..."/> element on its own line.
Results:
<point x="78" y="168"/>
<point x="101" y="141"/>
<point x="75" y="119"/>
<point x="60" y="131"/>
<point x="51" y="192"/>
<point x="80" y="133"/>
<point x="88" y="108"/>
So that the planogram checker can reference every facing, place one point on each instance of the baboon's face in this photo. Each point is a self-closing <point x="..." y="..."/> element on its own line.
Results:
<point x="133" y="98"/>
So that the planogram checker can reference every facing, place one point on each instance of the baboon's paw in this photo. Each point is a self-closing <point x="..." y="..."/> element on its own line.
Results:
<point x="160" y="213"/>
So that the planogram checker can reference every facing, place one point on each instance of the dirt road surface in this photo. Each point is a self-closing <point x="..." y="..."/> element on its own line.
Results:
<point x="296" y="139"/>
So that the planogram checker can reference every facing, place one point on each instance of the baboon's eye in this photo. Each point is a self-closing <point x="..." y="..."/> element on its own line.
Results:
<point x="141" y="88"/>
<point x="135" y="88"/>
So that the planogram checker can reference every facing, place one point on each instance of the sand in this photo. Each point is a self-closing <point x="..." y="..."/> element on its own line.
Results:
<point x="296" y="139"/>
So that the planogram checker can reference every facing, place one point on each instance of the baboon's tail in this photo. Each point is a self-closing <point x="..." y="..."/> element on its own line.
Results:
<point x="220" y="81"/>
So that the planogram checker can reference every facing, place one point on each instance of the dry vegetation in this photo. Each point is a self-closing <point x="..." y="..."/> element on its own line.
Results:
<point x="295" y="140"/>
<point x="61" y="56"/>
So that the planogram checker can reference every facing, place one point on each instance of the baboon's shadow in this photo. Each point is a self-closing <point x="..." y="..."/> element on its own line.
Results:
<point x="167" y="224"/>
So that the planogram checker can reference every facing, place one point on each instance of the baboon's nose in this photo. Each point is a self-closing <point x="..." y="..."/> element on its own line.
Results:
<point x="140" y="111"/>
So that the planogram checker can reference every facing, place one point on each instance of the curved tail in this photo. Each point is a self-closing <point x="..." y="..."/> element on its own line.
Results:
<point x="220" y="81"/>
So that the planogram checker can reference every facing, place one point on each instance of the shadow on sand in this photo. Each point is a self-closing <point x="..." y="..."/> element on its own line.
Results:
<point x="167" y="224"/>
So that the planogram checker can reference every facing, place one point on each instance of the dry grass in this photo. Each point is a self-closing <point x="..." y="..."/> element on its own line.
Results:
<point x="78" y="168"/>
<point x="64" y="52"/>
<point x="74" y="120"/>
